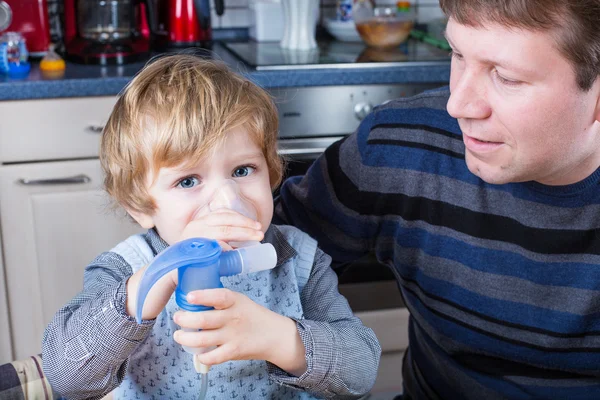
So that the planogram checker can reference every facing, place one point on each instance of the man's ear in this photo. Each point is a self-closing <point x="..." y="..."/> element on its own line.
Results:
<point x="146" y="221"/>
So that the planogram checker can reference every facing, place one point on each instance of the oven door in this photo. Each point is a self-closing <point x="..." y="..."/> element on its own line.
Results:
<point x="369" y="287"/>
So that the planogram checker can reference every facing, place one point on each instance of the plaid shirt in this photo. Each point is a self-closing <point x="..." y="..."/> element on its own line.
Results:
<point x="23" y="380"/>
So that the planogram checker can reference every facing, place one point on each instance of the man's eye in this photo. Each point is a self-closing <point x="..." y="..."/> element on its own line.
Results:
<point x="506" y="81"/>
<point x="243" y="171"/>
<point x="187" y="183"/>
<point x="456" y="55"/>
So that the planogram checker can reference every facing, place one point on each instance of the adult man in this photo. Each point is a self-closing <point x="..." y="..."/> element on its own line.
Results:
<point x="498" y="257"/>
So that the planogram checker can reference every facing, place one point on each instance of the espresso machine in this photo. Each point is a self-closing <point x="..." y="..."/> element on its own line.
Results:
<point x="106" y="31"/>
<point x="121" y="31"/>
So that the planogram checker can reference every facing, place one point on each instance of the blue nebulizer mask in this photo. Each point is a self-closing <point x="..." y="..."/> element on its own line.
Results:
<point x="201" y="263"/>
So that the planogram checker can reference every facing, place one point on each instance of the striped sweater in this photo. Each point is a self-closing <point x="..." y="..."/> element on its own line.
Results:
<point x="502" y="281"/>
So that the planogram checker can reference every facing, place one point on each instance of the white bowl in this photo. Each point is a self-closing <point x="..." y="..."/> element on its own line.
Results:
<point x="344" y="31"/>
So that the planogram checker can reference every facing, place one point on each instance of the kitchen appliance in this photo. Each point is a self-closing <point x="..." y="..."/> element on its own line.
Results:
<point x="182" y="23"/>
<point x="269" y="56"/>
<point x="107" y="31"/>
<point x="30" y="19"/>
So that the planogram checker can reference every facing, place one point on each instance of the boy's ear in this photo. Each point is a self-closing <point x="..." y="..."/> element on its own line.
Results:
<point x="146" y="221"/>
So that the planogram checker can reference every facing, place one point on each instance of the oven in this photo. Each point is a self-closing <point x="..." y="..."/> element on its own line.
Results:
<point x="311" y="119"/>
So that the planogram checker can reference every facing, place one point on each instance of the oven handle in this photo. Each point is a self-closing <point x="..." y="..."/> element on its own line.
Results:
<point x="306" y="146"/>
<point x="301" y="152"/>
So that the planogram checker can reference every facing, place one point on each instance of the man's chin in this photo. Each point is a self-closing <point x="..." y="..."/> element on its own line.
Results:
<point x="493" y="175"/>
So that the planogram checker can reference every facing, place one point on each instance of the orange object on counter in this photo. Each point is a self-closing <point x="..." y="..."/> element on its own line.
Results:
<point x="52" y="65"/>
<point x="403" y="6"/>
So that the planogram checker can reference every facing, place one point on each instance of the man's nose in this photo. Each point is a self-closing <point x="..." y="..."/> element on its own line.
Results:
<point x="468" y="97"/>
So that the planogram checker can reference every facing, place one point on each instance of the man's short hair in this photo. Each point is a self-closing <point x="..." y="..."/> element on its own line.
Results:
<point x="573" y="24"/>
<point x="174" y="112"/>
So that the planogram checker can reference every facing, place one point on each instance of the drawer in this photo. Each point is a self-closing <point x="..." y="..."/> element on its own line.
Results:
<point x="52" y="129"/>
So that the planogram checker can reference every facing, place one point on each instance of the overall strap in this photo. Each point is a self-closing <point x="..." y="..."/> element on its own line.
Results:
<point x="136" y="251"/>
<point x="306" y="247"/>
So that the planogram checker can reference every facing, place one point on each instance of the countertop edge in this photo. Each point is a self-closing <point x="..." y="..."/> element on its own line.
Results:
<point x="110" y="86"/>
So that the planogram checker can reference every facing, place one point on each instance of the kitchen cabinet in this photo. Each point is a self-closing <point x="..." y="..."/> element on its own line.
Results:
<point x="55" y="217"/>
<point x="55" y="220"/>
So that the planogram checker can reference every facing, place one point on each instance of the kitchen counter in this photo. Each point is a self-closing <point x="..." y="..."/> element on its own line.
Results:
<point x="90" y="80"/>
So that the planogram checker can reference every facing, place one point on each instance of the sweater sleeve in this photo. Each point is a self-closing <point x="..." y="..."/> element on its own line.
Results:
<point x="342" y="355"/>
<point x="328" y="201"/>
<point x="86" y="346"/>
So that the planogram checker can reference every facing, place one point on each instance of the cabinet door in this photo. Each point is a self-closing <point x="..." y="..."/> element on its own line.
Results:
<point x="6" y="353"/>
<point x="55" y="220"/>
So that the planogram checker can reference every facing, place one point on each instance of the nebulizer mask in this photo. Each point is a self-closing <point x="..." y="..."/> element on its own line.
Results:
<point x="201" y="263"/>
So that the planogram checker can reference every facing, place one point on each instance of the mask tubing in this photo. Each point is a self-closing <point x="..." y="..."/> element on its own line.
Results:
<point x="203" y="386"/>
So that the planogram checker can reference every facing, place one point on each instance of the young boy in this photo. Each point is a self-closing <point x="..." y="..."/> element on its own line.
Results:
<point x="183" y="130"/>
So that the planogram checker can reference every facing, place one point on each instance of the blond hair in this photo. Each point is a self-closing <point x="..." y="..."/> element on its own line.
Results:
<point x="573" y="24"/>
<point x="178" y="108"/>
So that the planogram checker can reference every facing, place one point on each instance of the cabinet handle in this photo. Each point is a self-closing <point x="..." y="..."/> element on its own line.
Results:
<point x="56" y="181"/>
<point x="95" y="128"/>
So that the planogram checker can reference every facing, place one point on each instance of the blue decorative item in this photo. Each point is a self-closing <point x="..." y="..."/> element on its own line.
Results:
<point x="13" y="55"/>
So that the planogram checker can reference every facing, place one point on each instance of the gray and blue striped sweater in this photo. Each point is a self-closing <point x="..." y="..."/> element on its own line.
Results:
<point x="502" y="281"/>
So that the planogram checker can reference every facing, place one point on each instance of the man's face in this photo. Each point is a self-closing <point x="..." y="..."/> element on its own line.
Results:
<point x="522" y="115"/>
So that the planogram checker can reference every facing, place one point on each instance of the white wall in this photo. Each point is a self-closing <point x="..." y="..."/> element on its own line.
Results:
<point x="237" y="16"/>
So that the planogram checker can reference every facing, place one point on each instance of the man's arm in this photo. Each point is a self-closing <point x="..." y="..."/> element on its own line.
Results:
<point x="327" y="202"/>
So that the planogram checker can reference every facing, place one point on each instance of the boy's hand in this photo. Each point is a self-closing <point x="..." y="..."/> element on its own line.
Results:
<point x="224" y="226"/>
<point x="157" y="297"/>
<point x="242" y="330"/>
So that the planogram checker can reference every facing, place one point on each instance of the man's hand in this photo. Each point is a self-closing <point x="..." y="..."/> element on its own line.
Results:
<point x="242" y="330"/>
<point x="224" y="226"/>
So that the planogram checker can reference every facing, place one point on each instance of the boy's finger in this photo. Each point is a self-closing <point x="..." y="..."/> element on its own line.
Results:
<point x="229" y="233"/>
<point x="212" y="319"/>
<point x="206" y="338"/>
<point x="224" y="246"/>
<point x="225" y="233"/>
<point x="220" y="355"/>
<point x="228" y="217"/>
<point x="218" y="298"/>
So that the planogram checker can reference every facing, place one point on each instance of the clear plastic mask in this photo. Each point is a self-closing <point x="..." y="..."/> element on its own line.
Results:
<point x="226" y="195"/>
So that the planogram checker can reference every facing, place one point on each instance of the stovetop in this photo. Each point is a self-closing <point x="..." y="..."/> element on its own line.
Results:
<point x="329" y="54"/>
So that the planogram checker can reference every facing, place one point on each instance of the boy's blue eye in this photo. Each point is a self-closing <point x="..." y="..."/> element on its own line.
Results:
<point x="187" y="183"/>
<point x="243" y="171"/>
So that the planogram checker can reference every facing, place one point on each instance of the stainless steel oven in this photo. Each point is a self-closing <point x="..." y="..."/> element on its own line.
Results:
<point x="311" y="119"/>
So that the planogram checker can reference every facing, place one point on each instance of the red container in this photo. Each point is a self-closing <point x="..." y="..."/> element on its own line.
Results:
<point x="183" y="24"/>
<point x="30" y="19"/>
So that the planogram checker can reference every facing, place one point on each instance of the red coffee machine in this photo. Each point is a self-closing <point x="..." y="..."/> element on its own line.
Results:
<point x="107" y="31"/>
<point x="30" y="19"/>
<point x="183" y="23"/>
